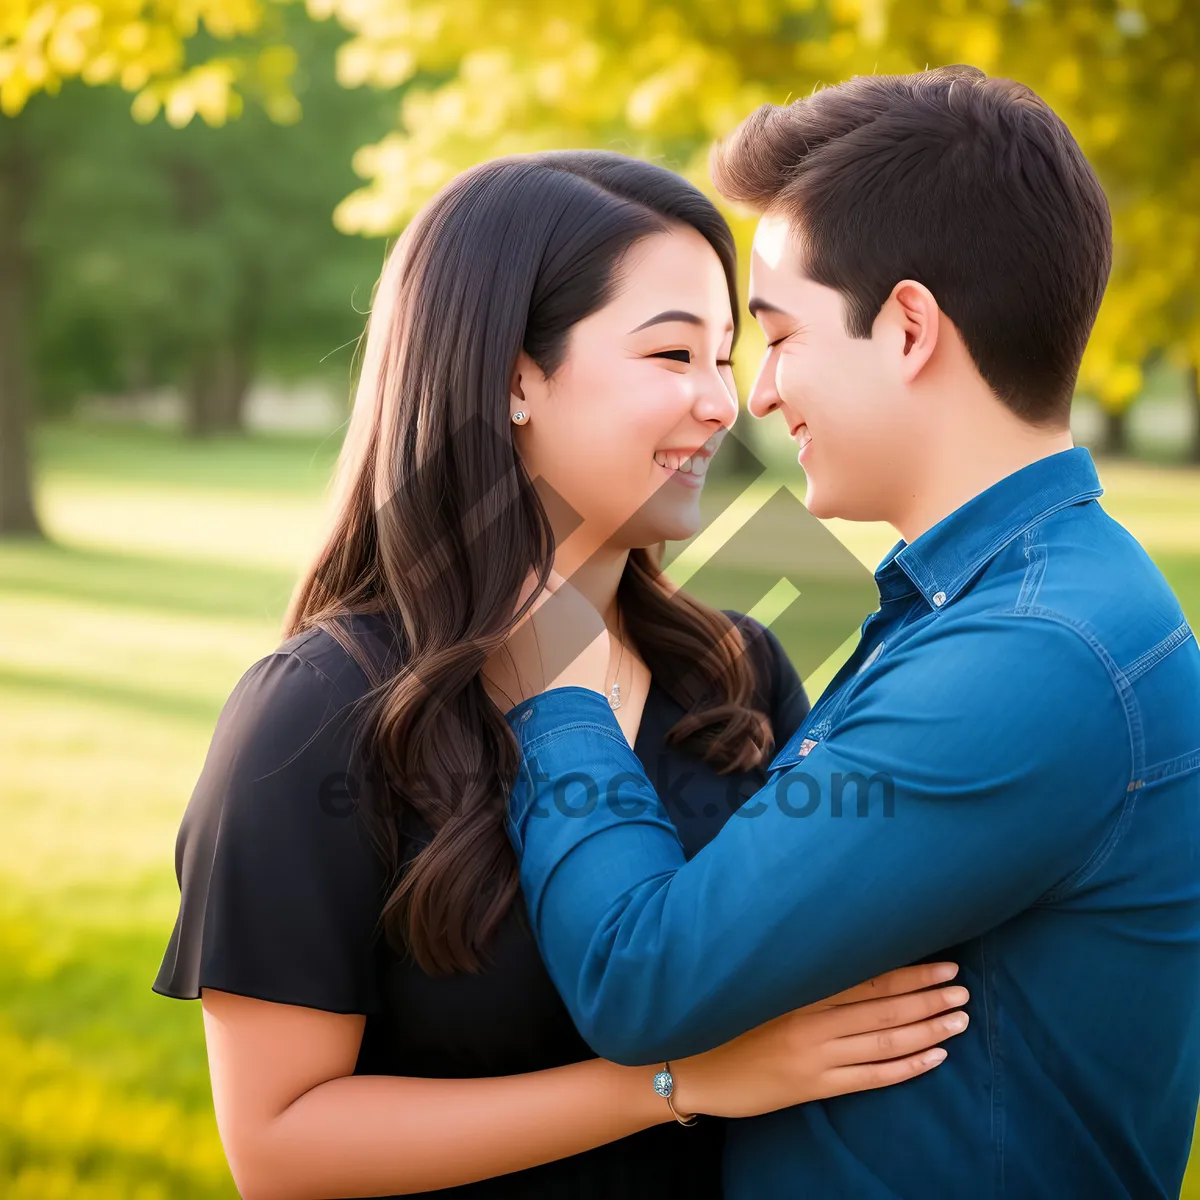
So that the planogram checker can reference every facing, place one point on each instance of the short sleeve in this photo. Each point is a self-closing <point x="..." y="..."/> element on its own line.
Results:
<point x="280" y="886"/>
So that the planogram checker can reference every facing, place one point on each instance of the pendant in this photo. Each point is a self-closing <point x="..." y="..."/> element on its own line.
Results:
<point x="614" y="697"/>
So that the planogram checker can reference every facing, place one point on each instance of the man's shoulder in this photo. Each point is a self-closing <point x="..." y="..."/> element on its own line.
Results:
<point x="1080" y="576"/>
<point x="1083" y="570"/>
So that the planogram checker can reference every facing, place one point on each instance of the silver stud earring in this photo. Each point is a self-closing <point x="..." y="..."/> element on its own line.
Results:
<point x="519" y="418"/>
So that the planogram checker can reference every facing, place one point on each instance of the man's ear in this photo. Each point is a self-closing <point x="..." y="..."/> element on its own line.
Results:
<point x="912" y="317"/>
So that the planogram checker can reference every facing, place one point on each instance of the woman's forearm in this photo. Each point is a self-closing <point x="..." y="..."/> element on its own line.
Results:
<point x="364" y="1135"/>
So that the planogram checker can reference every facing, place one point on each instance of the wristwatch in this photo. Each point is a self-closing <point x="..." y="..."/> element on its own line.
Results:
<point x="664" y="1085"/>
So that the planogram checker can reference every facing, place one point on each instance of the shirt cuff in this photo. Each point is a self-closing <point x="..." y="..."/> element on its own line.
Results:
<point x="558" y="710"/>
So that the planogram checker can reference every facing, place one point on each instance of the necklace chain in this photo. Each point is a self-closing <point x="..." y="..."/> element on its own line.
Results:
<point x="614" y="695"/>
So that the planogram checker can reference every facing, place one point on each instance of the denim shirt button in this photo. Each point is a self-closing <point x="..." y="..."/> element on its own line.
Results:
<point x="939" y="599"/>
<point x="526" y="715"/>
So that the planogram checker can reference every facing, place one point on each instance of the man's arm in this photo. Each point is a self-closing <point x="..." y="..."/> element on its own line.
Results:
<point x="1006" y="750"/>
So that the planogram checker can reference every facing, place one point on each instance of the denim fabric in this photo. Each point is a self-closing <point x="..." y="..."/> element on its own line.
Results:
<point x="1005" y="773"/>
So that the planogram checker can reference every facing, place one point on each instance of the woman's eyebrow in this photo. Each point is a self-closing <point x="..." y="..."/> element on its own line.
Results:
<point x="672" y="314"/>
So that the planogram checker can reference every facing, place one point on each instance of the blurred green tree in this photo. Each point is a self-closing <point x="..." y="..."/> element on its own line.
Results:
<point x="142" y="47"/>
<point x="663" y="78"/>
<point x="1192" y="384"/>
<point x="1122" y="76"/>
<point x="211" y="256"/>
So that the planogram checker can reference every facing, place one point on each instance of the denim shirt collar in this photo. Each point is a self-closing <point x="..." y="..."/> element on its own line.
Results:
<point x="944" y="559"/>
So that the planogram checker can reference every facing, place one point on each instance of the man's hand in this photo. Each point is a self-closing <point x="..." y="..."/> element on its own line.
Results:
<point x="561" y="641"/>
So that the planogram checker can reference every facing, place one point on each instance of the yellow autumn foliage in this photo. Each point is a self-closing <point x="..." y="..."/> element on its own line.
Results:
<point x="141" y="46"/>
<point x="663" y="80"/>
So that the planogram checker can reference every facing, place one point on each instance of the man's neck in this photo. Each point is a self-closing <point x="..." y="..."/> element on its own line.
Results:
<point x="953" y="475"/>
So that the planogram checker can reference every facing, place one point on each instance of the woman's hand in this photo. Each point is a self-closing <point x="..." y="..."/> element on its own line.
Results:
<point x="561" y="642"/>
<point x="873" y="1035"/>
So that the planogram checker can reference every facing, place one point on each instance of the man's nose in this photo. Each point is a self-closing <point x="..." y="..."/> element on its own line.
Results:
<point x="764" y="397"/>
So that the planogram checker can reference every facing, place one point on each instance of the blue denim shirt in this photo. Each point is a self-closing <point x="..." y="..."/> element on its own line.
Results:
<point x="1006" y="773"/>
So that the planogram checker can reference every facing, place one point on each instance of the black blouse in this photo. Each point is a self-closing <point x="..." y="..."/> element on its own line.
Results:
<point x="281" y="890"/>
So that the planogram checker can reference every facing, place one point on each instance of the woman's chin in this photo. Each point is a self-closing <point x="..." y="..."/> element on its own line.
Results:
<point x="687" y="525"/>
<point x="666" y="518"/>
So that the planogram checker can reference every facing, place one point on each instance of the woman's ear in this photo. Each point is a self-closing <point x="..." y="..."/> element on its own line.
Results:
<point x="524" y="386"/>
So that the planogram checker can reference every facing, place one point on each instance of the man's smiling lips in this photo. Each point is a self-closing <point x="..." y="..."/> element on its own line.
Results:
<point x="802" y="438"/>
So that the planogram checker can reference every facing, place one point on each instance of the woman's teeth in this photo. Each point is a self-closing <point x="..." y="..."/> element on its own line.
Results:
<point x="673" y="460"/>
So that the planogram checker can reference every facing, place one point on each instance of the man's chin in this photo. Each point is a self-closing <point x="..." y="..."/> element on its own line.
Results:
<point x="819" y="502"/>
<point x="826" y="505"/>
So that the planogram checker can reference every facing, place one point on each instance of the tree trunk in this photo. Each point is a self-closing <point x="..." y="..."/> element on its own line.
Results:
<point x="1116" y="441"/>
<point x="236" y="375"/>
<point x="214" y="389"/>
<point x="17" y="511"/>
<point x="200" y="418"/>
<point x="1192" y="375"/>
<point x="217" y="388"/>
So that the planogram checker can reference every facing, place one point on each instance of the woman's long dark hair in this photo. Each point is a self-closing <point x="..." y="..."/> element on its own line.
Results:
<point x="437" y="525"/>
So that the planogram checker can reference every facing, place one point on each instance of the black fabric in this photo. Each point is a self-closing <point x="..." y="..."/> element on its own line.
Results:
<point x="281" y="889"/>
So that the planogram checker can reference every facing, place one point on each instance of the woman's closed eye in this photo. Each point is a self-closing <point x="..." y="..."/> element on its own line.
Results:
<point x="685" y="356"/>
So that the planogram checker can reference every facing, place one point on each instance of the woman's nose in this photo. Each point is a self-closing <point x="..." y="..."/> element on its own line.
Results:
<point x="716" y="402"/>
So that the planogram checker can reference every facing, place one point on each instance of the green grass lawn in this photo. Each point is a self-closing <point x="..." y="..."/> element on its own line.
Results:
<point x="171" y="569"/>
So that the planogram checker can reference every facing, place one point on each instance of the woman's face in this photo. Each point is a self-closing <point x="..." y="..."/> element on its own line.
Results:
<point x="624" y="429"/>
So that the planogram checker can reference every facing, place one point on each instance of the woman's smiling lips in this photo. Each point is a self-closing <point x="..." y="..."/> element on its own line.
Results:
<point x="686" y="467"/>
<point x="688" y="471"/>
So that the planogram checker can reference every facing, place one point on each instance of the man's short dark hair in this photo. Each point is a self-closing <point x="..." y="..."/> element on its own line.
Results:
<point x="970" y="185"/>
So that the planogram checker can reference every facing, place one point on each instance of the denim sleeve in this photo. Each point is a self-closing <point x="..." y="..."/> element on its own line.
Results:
<point x="995" y="762"/>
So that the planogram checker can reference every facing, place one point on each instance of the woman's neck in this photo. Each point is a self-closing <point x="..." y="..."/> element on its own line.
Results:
<point x="597" y="577"/>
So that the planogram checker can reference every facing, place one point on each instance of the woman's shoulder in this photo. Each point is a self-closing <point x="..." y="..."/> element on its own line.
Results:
<point x="280" y="882"/>
<point x="348" y="657"/>
<point x="779" y="686"/>
<point x="296" y="720"/>
<point x="762" y="645"/>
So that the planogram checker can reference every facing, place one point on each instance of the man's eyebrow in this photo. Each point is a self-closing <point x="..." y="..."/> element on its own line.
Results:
<point x="759" y="305"/>
<point x="672" y="314"/>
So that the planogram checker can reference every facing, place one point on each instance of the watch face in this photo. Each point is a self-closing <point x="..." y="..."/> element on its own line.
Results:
<point x="664" y="1085"/>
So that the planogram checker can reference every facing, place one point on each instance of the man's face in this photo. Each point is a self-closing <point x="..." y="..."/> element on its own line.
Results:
<point x="841" y="396"/>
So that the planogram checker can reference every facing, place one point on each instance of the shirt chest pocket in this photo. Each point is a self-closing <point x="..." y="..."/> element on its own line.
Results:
<point x="823" y="718"/>
<point x="815" y="729"/>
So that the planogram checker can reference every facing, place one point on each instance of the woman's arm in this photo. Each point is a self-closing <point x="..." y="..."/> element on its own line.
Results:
<point x="297" y="1124"/>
